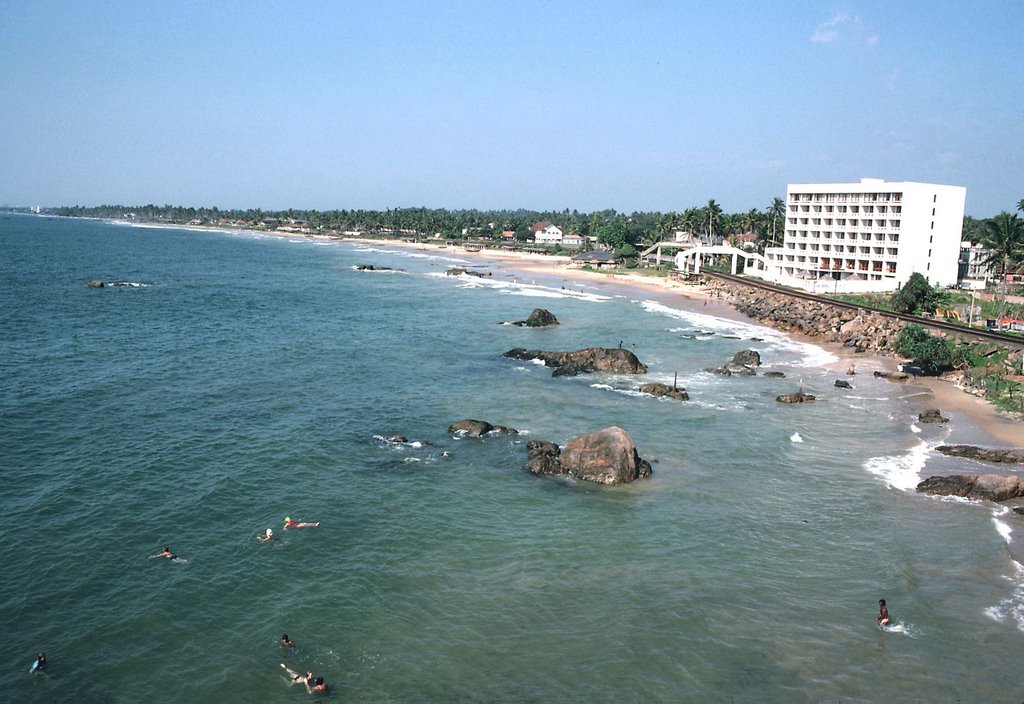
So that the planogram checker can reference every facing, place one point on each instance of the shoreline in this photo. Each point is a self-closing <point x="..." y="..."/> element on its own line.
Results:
<point x="986" y="424"/>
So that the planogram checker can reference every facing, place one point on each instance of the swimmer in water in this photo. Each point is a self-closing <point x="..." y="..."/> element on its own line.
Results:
<point x="313" y="684"/>
<point x="166" y="552"/>
<point x="267" y="537"/>
<point x="883" y="614"/>
<point x="289" y="523"/>
<point x="287" y="642"/>
<point x="40" y="664"/>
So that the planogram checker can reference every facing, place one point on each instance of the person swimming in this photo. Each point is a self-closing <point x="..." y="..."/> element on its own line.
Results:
<point x="287" y="642"/>
<point x="289" y="523"/>
<point x="883" y="614"/>
<point x="166" y="552"/>
<point x="313" y="684"/>
<point x="267" y="537"/>
<point x="40" y="664"/>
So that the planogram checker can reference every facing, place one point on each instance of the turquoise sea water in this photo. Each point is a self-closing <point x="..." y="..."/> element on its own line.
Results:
<point x="249" y="378"/>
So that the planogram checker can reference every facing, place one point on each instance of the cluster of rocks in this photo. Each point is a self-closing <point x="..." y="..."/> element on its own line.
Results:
<point x="607" y="456"/>
<point x="795" y="397"/>
<point x="539" y="318"/>
<point x="744" y="363"/>
<point x="591" y="359"/>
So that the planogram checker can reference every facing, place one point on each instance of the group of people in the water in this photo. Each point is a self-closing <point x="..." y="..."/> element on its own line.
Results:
<point x="313" y="684"/>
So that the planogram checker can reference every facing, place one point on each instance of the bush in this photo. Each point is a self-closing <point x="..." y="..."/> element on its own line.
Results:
<point x="933" y="354"/>
<point x="918" y="295"/>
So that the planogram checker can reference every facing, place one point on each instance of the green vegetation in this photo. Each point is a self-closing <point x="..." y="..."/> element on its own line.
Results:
<point x="1003" y="237"/>
<point x="933" y="354"/>
<point x="917" y="296"/>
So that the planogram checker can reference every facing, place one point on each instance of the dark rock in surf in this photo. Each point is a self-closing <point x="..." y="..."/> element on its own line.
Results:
<point x="477" y="428"/>
<point x="747" y="358"/>
<point x="542" y="457"/>
<point x="843" y="384"/>
<point x="95" y="284"/>
<point x="988" y="487"/>
<point x="539" y="318"/>
<point x="796" y="397"/>
<point x="932" y="415"/>
<point x="591" y="359"/>
<point x="998" y="456"/>
<point x="656" y="389"/>
<point x="775" y="375"/>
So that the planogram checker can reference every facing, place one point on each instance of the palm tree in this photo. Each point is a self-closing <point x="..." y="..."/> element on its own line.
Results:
<point x="1020" y="205"/>
<point x="713" y="212"/>
<point x="1003" y="237"/>
<point x="775" y="211"/>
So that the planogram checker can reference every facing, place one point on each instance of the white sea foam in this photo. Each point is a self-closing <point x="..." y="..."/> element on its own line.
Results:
<point x="808" y="355"/>
<point x="1011" y="609"/>
<point x="520" y="288"/>
<point x="624" y="392"/>
<point x="901" y="471"/>
<point x="914" y="428"/>
<point x="1002" y="527"/>
<point x="795" y="437"/>
<point x="409" y="254"/>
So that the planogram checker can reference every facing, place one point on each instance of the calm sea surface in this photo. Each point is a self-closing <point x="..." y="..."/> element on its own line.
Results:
<point x="248" y="378"/>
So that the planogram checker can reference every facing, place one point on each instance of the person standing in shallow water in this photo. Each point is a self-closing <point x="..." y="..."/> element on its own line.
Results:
<point x="883" y="614"/>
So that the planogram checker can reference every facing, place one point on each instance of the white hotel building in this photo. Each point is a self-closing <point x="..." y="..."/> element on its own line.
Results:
<point x="867" y="236"/>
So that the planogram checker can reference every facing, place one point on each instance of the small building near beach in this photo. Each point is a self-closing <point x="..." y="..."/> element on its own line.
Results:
<point x="595" y="258"/>
<point x="546" y="232"/>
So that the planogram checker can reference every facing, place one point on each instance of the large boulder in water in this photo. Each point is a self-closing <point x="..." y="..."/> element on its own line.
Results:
<point x="796" y="397"/>
<point x="539" y="318"/>
<point x="932" y="415"/>
<point x="608" y="456"/>
<point x="989" y="487"/>
<point x="470" y="428"/>
<point x="747" y="358"/>
<point x="591" y="359"/>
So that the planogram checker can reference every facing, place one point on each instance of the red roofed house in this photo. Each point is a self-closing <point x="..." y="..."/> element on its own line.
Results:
<point x="545" y="232"/>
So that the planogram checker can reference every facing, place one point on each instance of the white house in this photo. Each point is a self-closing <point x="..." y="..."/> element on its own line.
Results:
<point x="545" y="232"/>
<point x="867" y="236"/>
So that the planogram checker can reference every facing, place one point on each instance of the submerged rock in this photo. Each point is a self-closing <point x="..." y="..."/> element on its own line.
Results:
<point x="843" y="384"/>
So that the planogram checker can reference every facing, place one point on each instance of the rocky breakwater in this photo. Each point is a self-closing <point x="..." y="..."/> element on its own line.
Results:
<point x="987" y="487"/>
<point x="607" y="456"/>
<point x="591" y="359"/>
<point x="862" y="330"/>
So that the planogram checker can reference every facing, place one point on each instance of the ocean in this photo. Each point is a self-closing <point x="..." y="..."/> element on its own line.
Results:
<point x="241" y="378"/>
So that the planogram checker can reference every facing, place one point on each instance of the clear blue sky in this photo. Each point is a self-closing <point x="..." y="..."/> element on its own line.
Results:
<point x="645" y="105"/>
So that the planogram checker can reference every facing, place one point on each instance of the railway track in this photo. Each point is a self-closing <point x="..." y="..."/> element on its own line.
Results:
<point x="981" y="334"/>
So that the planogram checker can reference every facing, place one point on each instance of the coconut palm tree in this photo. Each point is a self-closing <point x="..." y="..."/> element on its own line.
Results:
<point x="1020" y="205"/>
<point x="776" y="211"/>
<point x="1003" y="237"/>
<point x="712" y="213"/>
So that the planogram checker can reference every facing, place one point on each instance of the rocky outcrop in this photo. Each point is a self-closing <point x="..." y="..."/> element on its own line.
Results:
<point x="656" y="389"/>
<point x="476" y="428"/>
<point x="592" y="359"/>
<point x="539" y="318"/>
<point x="843" y="384"/>
<point x="742" y="363"/>
<point x="795" y="397"/>
<point x="988" y="487"/>
<point x="463" y="271"/>
<point x="371" y="267"/>
<point x="998" y="456"/>
<point x="932" y="415"/>
<point x="892" y="376"/>
<point x="775" y="375"/>
<point x="607" y="456"/>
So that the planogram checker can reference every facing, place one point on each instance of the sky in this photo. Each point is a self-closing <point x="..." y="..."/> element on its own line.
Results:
<point x="649" y="105"/>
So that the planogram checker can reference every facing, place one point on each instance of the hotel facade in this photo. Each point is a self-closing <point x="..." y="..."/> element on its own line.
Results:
<point x="867" y="236"/>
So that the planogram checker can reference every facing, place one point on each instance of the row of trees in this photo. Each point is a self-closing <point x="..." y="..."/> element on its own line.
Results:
<point x="708" y="223"/>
